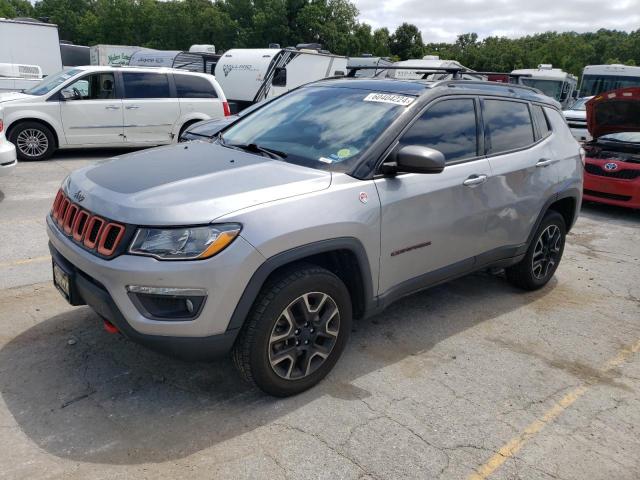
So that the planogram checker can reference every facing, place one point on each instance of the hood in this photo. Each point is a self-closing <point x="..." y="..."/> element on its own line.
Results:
<point x="188" y="184"/>
<point x="11" y="96"/>
<point x="614" y="112"/>
<point x="575" y="114"/>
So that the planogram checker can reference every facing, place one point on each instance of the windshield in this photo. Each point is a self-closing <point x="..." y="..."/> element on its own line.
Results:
<point x="580" y="104"/>
<point x="597" y="84"/>
<point x="52" y="81"/>
<point x="319" y="127"/>
<point x="551" y="88"/>
<point x="626" y="137"/>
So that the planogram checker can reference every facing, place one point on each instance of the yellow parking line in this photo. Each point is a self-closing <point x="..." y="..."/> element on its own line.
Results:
<point x="515" y="444"/>
<point x="24" y="261"/>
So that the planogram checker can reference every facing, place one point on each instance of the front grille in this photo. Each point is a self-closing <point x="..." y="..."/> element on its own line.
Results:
<point x="610" y="196"/>
<point x="92" y="232"/>
<point x="622" y="174"/>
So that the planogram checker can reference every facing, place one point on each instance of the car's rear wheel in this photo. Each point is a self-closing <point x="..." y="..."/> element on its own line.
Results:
<point x="543" y="256"/>
<point x="296" y="331"/>
<point x="33" y="141"/>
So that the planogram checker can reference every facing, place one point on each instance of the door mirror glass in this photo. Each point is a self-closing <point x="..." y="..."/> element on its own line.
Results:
<point x="68" y="95"/>
<point x="418" y="159"/>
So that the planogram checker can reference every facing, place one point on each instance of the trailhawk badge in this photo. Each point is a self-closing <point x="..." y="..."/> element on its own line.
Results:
<point x="79" y="196"/>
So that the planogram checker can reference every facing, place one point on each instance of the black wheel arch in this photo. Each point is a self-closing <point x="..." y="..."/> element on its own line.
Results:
<point x="344" y="256"/>
<point x="566" y="203"/>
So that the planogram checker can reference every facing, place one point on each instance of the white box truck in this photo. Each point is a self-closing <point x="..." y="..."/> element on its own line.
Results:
<point x="29" y="50"/>
<point x="112" y="54"/>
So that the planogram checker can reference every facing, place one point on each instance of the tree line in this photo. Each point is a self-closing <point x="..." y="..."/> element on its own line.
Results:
<point x="177" y="24"/>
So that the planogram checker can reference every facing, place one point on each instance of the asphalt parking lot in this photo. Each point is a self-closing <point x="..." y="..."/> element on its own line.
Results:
<point x="472" y="379"/>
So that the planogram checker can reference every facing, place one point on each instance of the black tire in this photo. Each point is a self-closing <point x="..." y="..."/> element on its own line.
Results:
<point x="41" y="132"/>
<point x="528" y="276"/>
<point x="253" y="350"/>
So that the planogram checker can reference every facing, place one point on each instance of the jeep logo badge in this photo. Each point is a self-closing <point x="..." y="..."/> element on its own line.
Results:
<point x="610" y="166"/>
<point x="79" y="196"/>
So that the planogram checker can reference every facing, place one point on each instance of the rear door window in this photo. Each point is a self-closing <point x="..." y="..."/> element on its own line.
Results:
<point x="507" y="125"/>
<point x="146" y="85"/>
<point x="449" y="126"/>
<point x="541" y="121"/>
<point x="192" y="86"/>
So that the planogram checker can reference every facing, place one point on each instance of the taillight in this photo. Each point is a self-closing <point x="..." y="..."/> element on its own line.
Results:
<point x="226" y="109"/>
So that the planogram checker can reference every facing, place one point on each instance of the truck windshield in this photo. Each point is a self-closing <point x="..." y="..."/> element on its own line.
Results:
<point x="52" y="81"/>
<point x="597" y="84"/>
<point x="551" y="88"/>
<point x="319" y="127"/>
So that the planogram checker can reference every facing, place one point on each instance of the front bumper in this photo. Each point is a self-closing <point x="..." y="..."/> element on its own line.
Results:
<point x="104" y="283"/>
<point x="612" y="191"/>
<point x="8" y="159"/>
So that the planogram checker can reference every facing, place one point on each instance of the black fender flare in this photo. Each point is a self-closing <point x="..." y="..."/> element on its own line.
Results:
<point x="572" y="192"/>
<point x="270" y="265"/>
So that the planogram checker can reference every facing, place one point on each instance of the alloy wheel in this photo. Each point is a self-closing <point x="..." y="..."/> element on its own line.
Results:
<point x="32" y="142"/>
<point x="546" y="253"/>
<point x="304" y="335"/>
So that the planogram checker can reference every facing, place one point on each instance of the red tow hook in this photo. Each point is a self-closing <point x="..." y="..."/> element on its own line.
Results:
<point x="110" y="327"/>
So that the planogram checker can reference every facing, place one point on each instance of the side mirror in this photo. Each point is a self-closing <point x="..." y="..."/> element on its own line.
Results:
<point x="67" y="95"/>
<point x="415" y="159"/>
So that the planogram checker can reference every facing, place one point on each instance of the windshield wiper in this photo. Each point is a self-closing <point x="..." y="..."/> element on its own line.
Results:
<point x="255" y="148"/>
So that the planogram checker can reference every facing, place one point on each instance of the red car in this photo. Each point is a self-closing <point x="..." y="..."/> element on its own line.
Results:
<point x="612" y="164"/>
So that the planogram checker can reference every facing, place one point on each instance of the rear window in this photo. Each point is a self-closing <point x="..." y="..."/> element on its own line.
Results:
<point x="192" y="86"/>
<point x="541" y="121"/>
<point x="146" y="85"/>
<point x="507" y="125"/>
<point x="449" y="126"/>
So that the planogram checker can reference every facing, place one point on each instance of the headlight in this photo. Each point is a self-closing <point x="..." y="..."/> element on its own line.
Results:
<point x="183" y="243"/>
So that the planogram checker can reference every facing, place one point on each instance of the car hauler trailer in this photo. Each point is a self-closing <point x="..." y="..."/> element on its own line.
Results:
<point x="553" y="82"/>
<point x="427" y="62"/>
<point x="248" y="76"/>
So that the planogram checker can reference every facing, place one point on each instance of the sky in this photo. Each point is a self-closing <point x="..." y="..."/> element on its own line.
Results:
<point x="444" y="20"/>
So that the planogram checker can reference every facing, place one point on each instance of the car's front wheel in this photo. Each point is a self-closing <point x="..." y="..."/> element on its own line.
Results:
<point x="33" y="141"/>
<point x="296" y="331"/>
<point x="543" y="256"/>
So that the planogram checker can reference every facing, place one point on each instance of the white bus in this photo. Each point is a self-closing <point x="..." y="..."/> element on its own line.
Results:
<point x="597" y="79"/>
<point x="553" y="82"/>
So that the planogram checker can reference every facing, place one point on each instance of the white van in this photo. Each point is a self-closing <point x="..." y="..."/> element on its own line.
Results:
<point x="108" y="107"/>
<point x="248" y="76"/>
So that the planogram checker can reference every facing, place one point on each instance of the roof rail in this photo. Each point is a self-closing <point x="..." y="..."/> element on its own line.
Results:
<point x="455" y="71"/>
<point x="426" y="70"/>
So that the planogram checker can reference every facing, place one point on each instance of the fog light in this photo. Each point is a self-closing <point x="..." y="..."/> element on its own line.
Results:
<point x="167" y="303"/>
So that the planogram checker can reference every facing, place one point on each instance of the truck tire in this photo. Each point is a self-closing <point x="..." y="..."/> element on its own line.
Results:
<point x="543" y="255"/>
<point x="33" y="140"/>
<point x="295" y="332"/>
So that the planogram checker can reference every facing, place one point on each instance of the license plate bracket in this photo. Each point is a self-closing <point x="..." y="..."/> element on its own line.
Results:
<point x="62" y="281"/>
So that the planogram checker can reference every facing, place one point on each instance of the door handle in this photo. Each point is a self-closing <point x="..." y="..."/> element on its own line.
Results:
<point x="545" y="162"/>
<point x="112" y="107"/>
<point x="475" y="180"/>
<point x="132" y="107"/>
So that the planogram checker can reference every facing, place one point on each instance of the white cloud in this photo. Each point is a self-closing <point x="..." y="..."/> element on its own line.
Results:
<point x="444" y="21"/>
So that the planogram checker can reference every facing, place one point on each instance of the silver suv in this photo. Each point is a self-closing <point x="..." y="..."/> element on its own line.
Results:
<point x="321" y="206"/>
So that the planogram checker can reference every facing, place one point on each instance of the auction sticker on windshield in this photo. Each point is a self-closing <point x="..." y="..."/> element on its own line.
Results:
<point x="389" y="98"/>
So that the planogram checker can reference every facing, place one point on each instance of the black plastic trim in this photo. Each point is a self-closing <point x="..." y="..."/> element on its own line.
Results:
<point x="271" y="264"/>
<point x="87" y="291"/>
